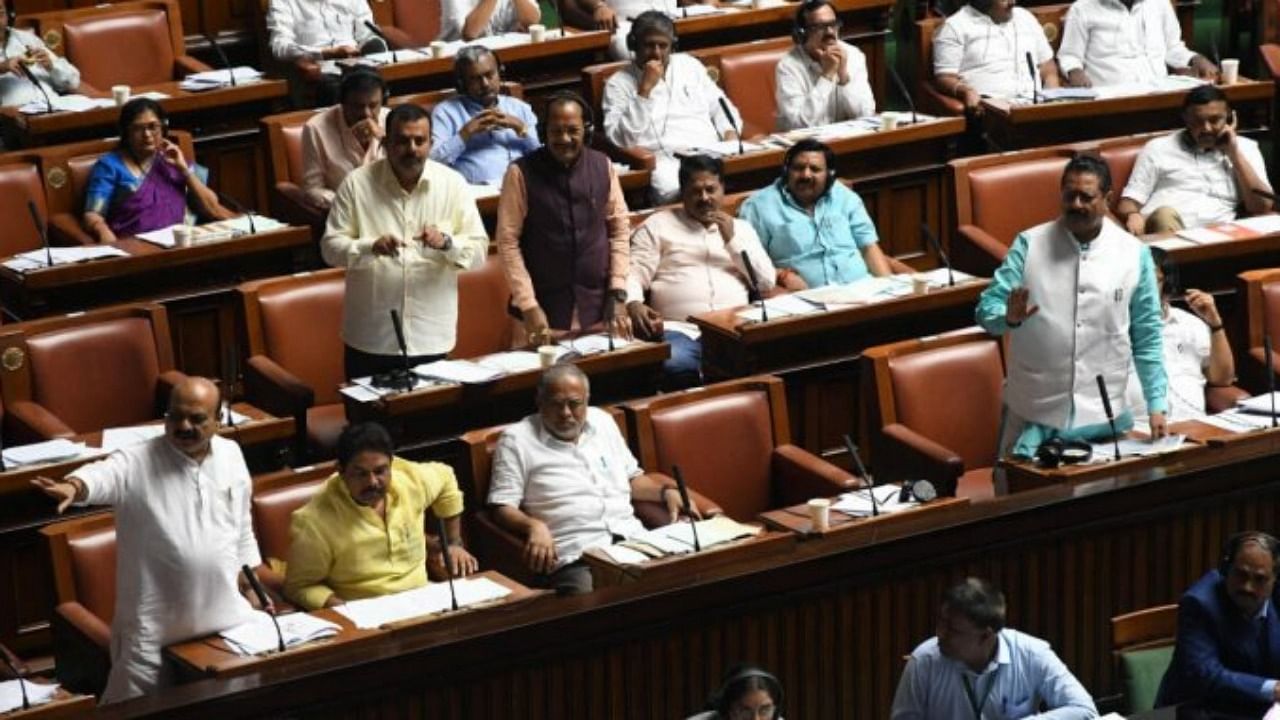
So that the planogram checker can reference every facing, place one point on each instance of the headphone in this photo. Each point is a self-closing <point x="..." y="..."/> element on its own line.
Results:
<point x="1237" y="541"/>
<point x="1056" y="451"/>
<point x="720" y="699"/>
<point x="647" y="22"/>
<point x="799" y="30"/>
<point x="470" y="54"/>
<point x="567" y="96"/>
<point x="811" y="145"/>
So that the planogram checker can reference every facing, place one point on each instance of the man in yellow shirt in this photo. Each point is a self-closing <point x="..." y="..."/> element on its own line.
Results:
<point x="362" y="535"/>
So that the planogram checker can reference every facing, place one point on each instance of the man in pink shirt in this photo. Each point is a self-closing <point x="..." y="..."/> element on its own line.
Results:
<point x="344" y="137"/>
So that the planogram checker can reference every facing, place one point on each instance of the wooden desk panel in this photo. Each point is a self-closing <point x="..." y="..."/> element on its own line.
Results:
<point x="64" y="706"/>
<point x="850" y="530"/>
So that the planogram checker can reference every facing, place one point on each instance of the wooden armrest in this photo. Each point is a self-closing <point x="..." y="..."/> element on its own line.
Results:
<point x="291" y="204"/>
<point x="185" y="65"/>
<point x="65" y="230"/>
<point x="908" y="455"/>
<point x="499" y="549"/>
<point x="81" y="644"/>
<point x="276" y="390"/>
<point x="1270" y="54"/>
<point x="934" y="102"/>
<point x="32" y="422"/>
<point x="800" y="476"/>
<point x="977" y="252"/>
<point x="635" y="158"/>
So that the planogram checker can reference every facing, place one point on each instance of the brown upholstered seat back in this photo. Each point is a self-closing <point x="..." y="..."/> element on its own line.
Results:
<point x="93" y="568"/>
<point x="292" y="135"/>
<point x="1008" y="199"/>
<point x="1120" y="160"/>
<point x="114" y="366"/>
<point x="419" y="19"/>
<point x="302" y="332"/>
<point x="1271" y="305"/>
<point x="483" y="323"/>
<point x="272" y="512"/>
<point x="724" y="446"/>
<point x="131" y="48"/>
<point x="78" y="169"/>
<point x="749" y="81"/>
<point x="931" y="389"/>
<point x="20" y="183"/>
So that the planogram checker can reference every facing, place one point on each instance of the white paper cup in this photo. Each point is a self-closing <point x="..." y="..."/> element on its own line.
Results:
<point x="547" y="355"/>
<point x="120" y="93"/>
<point x="537" y="33"/>
<point x="437" y="48"/>
<point x="182" y="235"/>
<point x="889" y="121"/>
<point x="757" y="4"/>
<point x="919" y="284"/>
<point x="1230" y="71"/>
<point x="820" y="514"/>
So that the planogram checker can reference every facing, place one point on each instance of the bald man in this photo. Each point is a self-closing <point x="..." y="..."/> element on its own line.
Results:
<point x="183" y="531"/>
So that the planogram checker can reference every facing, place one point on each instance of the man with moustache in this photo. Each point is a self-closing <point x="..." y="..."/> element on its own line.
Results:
<point x="183" y="531"/>
<point x="480" y="131"/>
<point x="563" y="479"/>
<point x="1199" y="175"/>
<point x="361" y="535"/>
<point x="562" y="231"/>
<point x="403" y="228"/>
<point x="690" y="260"/>
<point x="344" y="137"/>
<point x="1126" y="42"/>
<point x="975" y="667"/>
<point x="815" y="229"/>
<point x="1078" y="296"/>
<point x="982" y="51"/>
<point x="1227" y="656"/>
<point x="664" y="102"/>
<point x="822" y="79"/>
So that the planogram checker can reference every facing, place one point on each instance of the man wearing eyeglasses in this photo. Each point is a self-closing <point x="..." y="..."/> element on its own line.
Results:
<point x="822" y="79"/>
<point x="183" y="531"/>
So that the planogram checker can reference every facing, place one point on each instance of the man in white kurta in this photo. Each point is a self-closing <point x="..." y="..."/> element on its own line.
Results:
<point x="1125" y="42"/>
<point x="822" y="79"/>
<point x="183" y="531"/>
<point x="982" y="50"/>
<point x="403" y="228"/>
<point x="664" y="103"/>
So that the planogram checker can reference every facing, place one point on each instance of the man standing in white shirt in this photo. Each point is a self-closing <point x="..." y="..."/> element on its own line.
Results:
<point x="664" y="102"/>
<point x="1125" y="42"/>
<point x="563" y="479"/>
<point x="403" y="228"/>
<point x="690" y="260"/>
<point x="1201" y="174"/>
<point x="183" y="531"/>
<point x="982" y="50"/>
<point x="822" y="79"/>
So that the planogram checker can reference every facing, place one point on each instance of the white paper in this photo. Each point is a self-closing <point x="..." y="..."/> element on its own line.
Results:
<point x="123" y="437"/>
<point x="1136" y="447"/>
<point x="459" y="371"/>
<point x="35" y="259"/>
<point x="514" y="361"/>
<point x="695" y="11"/>
<point x="1238" y="421"/>
<point x="1172" y="243"/>
<point x="1260" y="404"/>
<point x="1262" y="224"/>
<point x="723" y="148"/>
<point x="213" y="79"/>
<point x="240" y="224"/>
<point x="1067" y="93"/>
<point x="496" y="42"/>
<point x="426" y="600"/>
<point x="257" y="635"/>
<point x="594" y="344"/>
<point x="66" y="103"/>
<point x="360" y="393"/>
<point x="622" y="555"/>
<point x="781" y="306"/>
<point x="688" y="329"/>
<point x="1204" y="236"/>
<point x="858" y="502"/>
<point x="1272" y="714"/>
<point x="162" y="237"/>
<point x="714" y="531"/>
<point x="861" y="292"/>
<point x="43" y="452"/>
<point x="37" y="694"/>
<point x="399" y="56"/>
<point x="364" y="390"/>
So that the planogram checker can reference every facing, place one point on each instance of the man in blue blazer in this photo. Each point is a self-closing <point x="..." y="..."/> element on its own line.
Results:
<point x="1227" y="655"/>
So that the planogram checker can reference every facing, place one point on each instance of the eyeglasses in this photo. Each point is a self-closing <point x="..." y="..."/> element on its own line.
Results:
<point x="823" y="26"/>
<point x="763" y="712"/>
<point x="147" y="128"/>
<point x="1070" y="196"/>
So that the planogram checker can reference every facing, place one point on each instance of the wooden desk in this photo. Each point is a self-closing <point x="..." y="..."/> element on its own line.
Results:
<point x="152" y="272"/>
<point x="1214" y="267"/>
<point x="606" y="573"/>
<point x="1012" y="127"/>
<point x="847" y="528"/>
<point x="211" y="657"/>
<point x="64" y="706"/>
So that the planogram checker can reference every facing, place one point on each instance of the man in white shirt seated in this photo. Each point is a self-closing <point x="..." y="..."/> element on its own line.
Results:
<point x="24" y="57"/>
<point x="344" y="137"/>
<point x="822" y="79"/>
<point x="1125" y="42"/>
<point x="471" y="19"/>
<point x="982" y="50"/>
<point x="1204" y="173"/>
<point x="303" y="34"/>
<point x="563" y="479"/>
<point x="664" y="102"/>
<point x="690" y="260"/>
<point x="616" y="16"/>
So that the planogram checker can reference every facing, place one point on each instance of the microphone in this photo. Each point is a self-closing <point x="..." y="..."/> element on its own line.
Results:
<point x="1213" y="48"/>
<point x="1111" y="419"/>
<point x="34" y="81"/>
<point x="406" y="376"/>
<point x="755" y="286"/>
<point x="382" y="36"/>
<point x="902" y="88"/>
<point x="263" y="601"/>
<point x="13" y="663"/>
<point x="688" y="507"/>
<point x="609" y="302"/>
<point x="866" y="476"/>
<point x="222" y="57"/>
<point x="724" y="105"/>
<point x="1035" y="86"/>
<point x="448" y="571"/>
<point x="1271" y="375"/>
<point x="42" y="230"/>
<point x="238" y="207"/>
<point x="933" y="240"/>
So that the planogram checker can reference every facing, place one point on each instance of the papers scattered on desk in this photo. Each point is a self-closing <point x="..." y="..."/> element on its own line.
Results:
<point x="239" y="225"/>
<point x="1170" y="83"/>
<point x="123" y="437"/>
<point x="1259" y="404"/>
<point x="66" y="103"/>
<point x="364" y="390"/>
<point x="1262" y="224"/>
<point x="514" y="361"/>
<point x="1206" y="235"/>
<point x="427" y="600"/>
<point x="50" y="451"/>
<point x="257" y="635"/>
<point x="215" y="231"/>
<point x="858" y="502"/>
<point x="214" y="79"/>
<point x="689" y="11"/>
<point x="781" y="306"/>
<point x="1136" y="447"/>
<point x="1238" y="421"/>
<point x="594" y="344"/>
<point x="1172" y="243"/>
<point x="399" y="56"/>
<point x="677" y="538"/>
<point x="36" y="259"/>
<point x="865" y="291"/>
<point x="496" y="42"/>
<point x="722" y="148"/>
<point x="458" y="371"/>
<point x="37" y="694"/>
<point x="1067" y="93"/>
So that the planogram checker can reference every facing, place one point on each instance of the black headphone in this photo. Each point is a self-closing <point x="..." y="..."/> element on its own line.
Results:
<point x="1057" y="451"/>
<point x="799" y="30"/>
<point x="646" y="22"/>
<point x="10" y="13"/>
<point x="564" y="96"/>
<point x="1237" y="541"/>
<point x="811" y="145"/>
<point x="720" y="699"/>
<point x="468" y="52"/>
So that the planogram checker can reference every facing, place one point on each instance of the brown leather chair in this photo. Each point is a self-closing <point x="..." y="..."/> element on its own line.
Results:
<point x="20" y="183"/>
<point x="1142" y="647"/>
<point x="919" y="436"/>
<point x="748" y="76"/>
<point x="132" y="43"/>
<point x="1261" y="292"/>
<point x="275" y="497"/>
<point x="733" y="441"/>
<point x="78" y="374"/>
<point x="284" y="144"/>
<point x="409" y="23"/>
<point x="83" y="554"/>
<point x="484" y="326"/>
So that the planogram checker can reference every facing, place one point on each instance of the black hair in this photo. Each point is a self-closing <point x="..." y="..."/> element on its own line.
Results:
<point x="1203" y="95"/>
<point x="135" y="108"/>
<point x="649" y="22"/>
<point x="800" y="26"/>
<point x="740" y="680"/>
<point x="1090" y="164"/>
<point x="979" y="601"/>
<point x="693" y="164"/>
<point x="1172" y="282"/>
<point x="1236" y="543"/>
<point x="363" y="437"/>
<point x="361" y="80"/>
<point x="406" y="113"/>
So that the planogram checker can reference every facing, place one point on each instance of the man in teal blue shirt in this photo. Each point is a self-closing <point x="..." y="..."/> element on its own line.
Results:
<point x="816" y="230"/>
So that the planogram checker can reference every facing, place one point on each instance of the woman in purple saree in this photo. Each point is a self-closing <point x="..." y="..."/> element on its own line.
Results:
<point x="146" y="183"/>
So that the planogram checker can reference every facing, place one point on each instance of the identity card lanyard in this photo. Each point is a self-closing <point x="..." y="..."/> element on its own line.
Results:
<point x="974" y="702"/>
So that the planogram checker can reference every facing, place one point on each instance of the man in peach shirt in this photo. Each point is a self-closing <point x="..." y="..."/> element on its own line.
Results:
<point x="562" y="230"/>
<point x="344" y="137"/>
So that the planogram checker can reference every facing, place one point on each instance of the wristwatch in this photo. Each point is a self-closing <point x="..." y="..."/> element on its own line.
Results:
<point x="448" y="242"/>
<point x="619" y="295"/>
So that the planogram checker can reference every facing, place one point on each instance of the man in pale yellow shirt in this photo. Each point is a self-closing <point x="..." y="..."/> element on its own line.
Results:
<point x="362" y="535"/>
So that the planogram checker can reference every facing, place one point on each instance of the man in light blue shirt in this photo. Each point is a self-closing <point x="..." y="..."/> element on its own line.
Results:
<point x="816" y="230"/>
<point x="976" y="668"/>
<point x="480" y="131"/>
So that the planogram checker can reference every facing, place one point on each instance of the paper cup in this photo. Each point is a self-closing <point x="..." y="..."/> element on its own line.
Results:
<point x="182" y="235"/>
<point x="547" y="355"/>
<point x="120" y="93"/>
<point x="437" y="48"/>
<point x="820" y="514"/>
<point x="889" y="121"/>
<point x="1230" y="71"/>
<point x="757" y="4"/>
<point x="537" y="33"/>
<point x="919" y="284"/>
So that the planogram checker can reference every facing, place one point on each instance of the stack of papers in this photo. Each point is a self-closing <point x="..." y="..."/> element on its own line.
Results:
<point x="36" y="259"/>
<point x="66" y="103"/>
<point x="689" y="11"/>
<point x="427" y="600"/>
<point x="1262" y="224"/>
<point x="1136" y="447"/>
<point x="214" y="79"/>
<point x="722" y="148"/>
<point x="782" y="306"/>
<point x="515" y="361"/>
<point x="1260" y="404"/>
<point x="1238" y="421"/>
<point x="399" y="56"/>
<point x="1067" y="93"/>
<point x="37" y="694"/>
<point x="50" y="451"/>
<point x="677" y="538"/>
<point x="458" y="371"/>
<point x="363" y="389"/>
<point x="257" y="635"/>
<point x="215" y="231"/>
<point x="119" y="438"/>
<point x="858" y="502"/>
<point x="594" y="344"/>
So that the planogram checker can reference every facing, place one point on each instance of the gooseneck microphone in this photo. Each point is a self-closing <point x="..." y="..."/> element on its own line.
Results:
<point x="610" y="308"/>
<point x="383" y="37"/>
<point x="239" y="207"/>
<point x="755" y="286"/>
<point x="688" y="507"/>
<point x="933" y="240"/>
<point x="902" y="88"/>
<point x="222" y="57"/>
<point x="13" y="663"/>
<point x="448" y="569"/>
<point x="724" y="105"/>
<point x="261" y="593"/>
<point x="1271" y="375"/>
<point x="35" y="81"/>
<point x="42" y="230"/>
<point x="405" y="374"/>
<point x="866" y="476"/>
<point x="1035" y="86"/>
<point x="1111" y="418"/>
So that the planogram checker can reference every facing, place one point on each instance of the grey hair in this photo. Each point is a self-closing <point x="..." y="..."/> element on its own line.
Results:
<point x="561" y="371"/>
